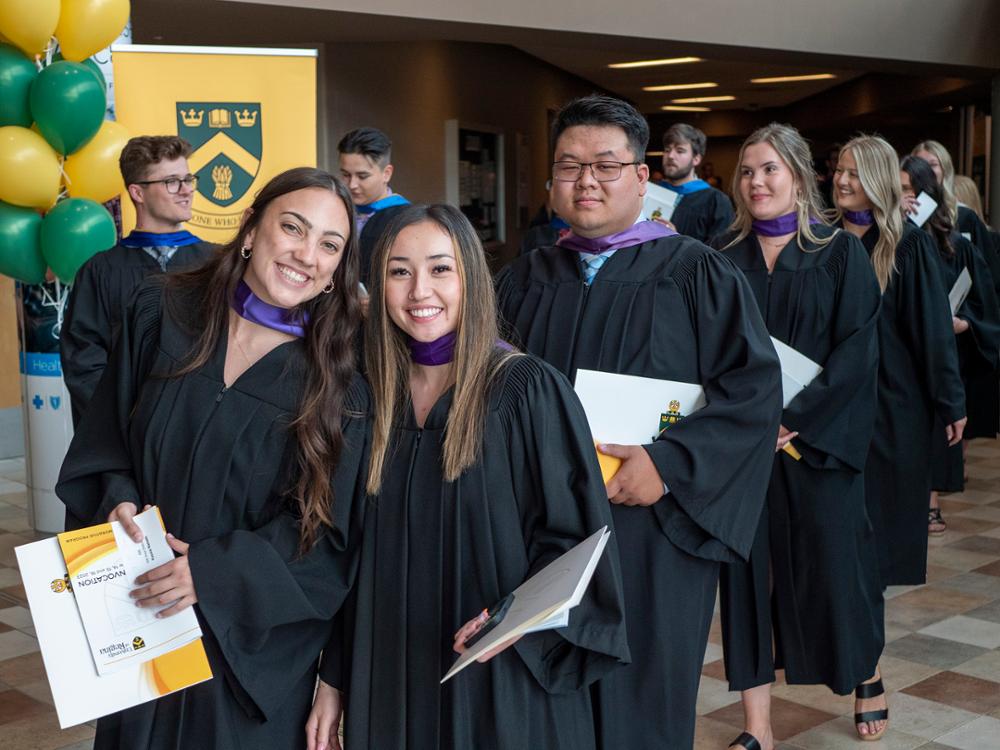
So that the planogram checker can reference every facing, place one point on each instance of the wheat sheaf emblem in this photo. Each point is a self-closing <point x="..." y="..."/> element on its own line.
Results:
<point x="222" y="176"/>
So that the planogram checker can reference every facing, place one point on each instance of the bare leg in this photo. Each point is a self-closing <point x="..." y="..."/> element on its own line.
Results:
<point x="757" y="715"/>
<point x="877" y="703"/>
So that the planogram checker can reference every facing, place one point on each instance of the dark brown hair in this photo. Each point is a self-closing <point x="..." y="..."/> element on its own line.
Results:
<point x="201" y="298"/>
<point x="681" y="132"/>
<point x="143" y="151"/>
<point x="923" y="180"/>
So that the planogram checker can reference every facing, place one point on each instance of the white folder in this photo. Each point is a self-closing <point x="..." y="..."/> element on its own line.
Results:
<point x="960" y="290"/>
<point x="659" y="203"/>
<point x="797" y="371"/>
<point x="925" y="207"/>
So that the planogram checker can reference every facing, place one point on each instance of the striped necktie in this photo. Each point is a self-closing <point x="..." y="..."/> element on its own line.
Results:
<point x="591" y="265"/>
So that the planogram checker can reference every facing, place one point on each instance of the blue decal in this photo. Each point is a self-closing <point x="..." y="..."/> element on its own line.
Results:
<point x="37" y="402"/>
<point x="41" y="364"/>
<point x="55" y="401"/>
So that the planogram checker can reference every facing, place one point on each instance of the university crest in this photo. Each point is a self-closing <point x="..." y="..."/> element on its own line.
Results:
<point x="228" y="144"/>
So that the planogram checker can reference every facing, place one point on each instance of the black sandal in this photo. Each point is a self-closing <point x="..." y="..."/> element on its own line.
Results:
<point x="863" y="692"/>
<point x="934" y="518"/>
<point x="748" y="741"/>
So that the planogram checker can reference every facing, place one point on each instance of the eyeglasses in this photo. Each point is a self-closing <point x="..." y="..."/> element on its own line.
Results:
<point x="603" y="171"/>
<point x="173" y="184"/>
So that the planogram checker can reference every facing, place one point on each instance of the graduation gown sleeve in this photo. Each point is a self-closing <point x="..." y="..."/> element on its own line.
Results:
<point x="834" y="415"/>
<point x="981" y="309"/>
<point x="722" y="215"/>
<point x="556" y="476"/>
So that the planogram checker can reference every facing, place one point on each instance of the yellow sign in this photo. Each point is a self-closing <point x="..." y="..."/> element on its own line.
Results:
<point x="248" y="113"/>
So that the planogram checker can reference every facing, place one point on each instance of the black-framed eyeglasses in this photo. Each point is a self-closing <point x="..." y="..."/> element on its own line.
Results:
<point x="173" y="184"/>
<point x="603" y="171"/>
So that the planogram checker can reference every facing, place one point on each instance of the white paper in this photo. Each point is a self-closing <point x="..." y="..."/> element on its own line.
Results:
<point x="79" y="693"/>
<point x="960" y="290"/>
<point x="925" y="207"/>
<point x="543" y="600"/>
<point x="659" y="203"/>
<point x="797" y="371"/>
<point x="626" y="409"/>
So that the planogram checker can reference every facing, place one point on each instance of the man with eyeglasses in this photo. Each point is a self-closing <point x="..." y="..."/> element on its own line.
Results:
<point x="161" y="187"/>
<point x="627" y="296"/>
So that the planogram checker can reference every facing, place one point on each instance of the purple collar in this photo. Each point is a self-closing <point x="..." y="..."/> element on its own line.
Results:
<point x="860" y="218"/>
<point x="642" y="231"/>
<point x="440" y="351"/>
<point x="249" y="306"/>
<point x="779" y="225"/>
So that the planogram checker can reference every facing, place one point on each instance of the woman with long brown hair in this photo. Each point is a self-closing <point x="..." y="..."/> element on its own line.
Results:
<point x="231" y="402"/>
<point x="482" y="471"/>
<point x="813" y="563"/>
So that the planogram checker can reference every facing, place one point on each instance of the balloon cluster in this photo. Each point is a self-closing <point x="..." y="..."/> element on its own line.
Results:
<point x="58" y="155"/>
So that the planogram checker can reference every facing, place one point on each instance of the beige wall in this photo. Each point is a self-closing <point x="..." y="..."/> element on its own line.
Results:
<point x="410" y="90"/>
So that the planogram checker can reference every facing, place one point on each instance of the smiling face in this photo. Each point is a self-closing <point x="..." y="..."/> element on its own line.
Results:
<point x="767" y="185"/>
<point x="423" y="286"/>
<point x="848" y="193"/>
<point x="364" y="178"/>
<point x="935" y="163"/>
<point x="156" y="209"/>
<point x="592" y="208"/>
<point x="679" y="161"/>
<point x="297" y="245"/>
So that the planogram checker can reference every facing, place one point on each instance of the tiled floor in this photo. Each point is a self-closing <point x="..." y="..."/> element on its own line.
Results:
<point x="941" y="662"/>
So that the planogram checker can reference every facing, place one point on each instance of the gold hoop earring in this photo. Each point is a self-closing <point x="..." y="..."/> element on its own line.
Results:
<point x="329" y="287"/>
<point x="246" y="252"/>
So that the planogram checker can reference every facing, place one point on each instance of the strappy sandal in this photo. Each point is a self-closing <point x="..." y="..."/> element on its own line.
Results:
<point x="748" y="741"/>
<point x="863" y="692"/>
<point x="935" y="522"/>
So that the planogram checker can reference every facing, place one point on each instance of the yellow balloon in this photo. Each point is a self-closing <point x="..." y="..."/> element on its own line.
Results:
<point x="88" y="26"/>
<point x="29" y="169"/>
<point x="29" y="24"/>
<point x="93" y="172"/>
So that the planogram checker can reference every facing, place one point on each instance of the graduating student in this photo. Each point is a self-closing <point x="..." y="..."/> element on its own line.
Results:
<point x="161" y="187"/>
<point x="976" y="326"/>
<point x="231" y="402"/>
<point x="812" y="579"/>
<point x="366" y="168"/>
<point x="482" y="471"/>
<point x="703" y="212"/>
<point x="918" y="374"/>
<point x="636" y="299"/>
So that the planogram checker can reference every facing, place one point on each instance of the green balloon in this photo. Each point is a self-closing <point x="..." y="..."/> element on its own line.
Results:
<point x="16" y="74"/>
<point x="68" y="105"/>
<point x="91" y="65"/>
<point x="21" y="244"/>
<point x="73" y="232"/>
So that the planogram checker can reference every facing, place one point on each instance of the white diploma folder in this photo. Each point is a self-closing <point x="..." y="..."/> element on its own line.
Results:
<point x="797" y="371"/>
<point x="659" y="203"/>
<point x="925" y="207"/>
<point x="960" y="291"/>
<point x="543" y="601"/>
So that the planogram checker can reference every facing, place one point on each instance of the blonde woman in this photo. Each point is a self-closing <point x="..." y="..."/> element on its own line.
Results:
<point x="919" y="375"/>
<point x="814" y="563"/>
<point x="482" y="472"/>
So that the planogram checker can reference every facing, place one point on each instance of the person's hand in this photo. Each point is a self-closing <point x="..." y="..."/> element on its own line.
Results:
<point x="665" y="223"/>
<point x="124" y="513"/>
<point x="472" y="627"/>
<point x="170" y="582"/>
<point x="637" y="482"/>
<point x="959" y="325"/>
<point x="954" y="431"/>
<point x="323" y="725"/>
<point x="909" y="204"/>
<point x="785" y="436"/>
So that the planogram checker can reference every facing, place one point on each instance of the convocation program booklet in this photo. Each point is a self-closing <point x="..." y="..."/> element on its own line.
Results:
<point x="960" y="291"/>
<point x="543" y="601"/>
<point x="659" y="203"/>
<point x="925" y="207"/>
<point x="797" y="371"/>
<point x="632" y="410"/>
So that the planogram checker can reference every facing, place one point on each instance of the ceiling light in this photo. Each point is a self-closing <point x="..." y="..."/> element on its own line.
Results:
<point x="651" y="63"/>
<point x="673" y="108"/>
<point x="701" y="99"/>
<point x="654" y="153"/>
<point x="681" y="86"/>
<point x="793" y="79"/>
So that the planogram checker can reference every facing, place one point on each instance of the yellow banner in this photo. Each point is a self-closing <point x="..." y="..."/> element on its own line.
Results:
<point x="248" y="113"/>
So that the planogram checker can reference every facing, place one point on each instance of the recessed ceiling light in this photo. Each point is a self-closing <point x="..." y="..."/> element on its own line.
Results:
<point x="681" y="86"/>
<point x="651" y="63"/>
<point x="654" y="153"/>
<point x="674" y="108"/>
<point x="793" y="79"/>
<point x="701" y="99"/>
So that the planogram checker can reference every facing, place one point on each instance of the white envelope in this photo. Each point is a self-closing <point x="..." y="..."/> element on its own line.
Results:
<point x="925" y="207"/>
<point x="797" y="371"/>
<point x="659" y="203"/>
<point x="960" y="290"/>
<point x="626" y="409"/>
<point x="543" y="601"/>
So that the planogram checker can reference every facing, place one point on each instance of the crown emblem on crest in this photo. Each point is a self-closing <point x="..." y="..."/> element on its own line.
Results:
<point x="219" y="118"/>
<point x="192" y="118"/>
<point x="246" y="118"/>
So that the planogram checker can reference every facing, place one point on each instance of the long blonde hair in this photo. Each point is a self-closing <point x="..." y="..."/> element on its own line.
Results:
<point x="794" y="151"/>
<point x="947" y="173"/>
<point x="878" y="171"/>
<point x="478" y="358"/>
<point x="967" y="192"/>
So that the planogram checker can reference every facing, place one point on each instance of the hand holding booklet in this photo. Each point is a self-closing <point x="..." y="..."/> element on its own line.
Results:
<point x="658" y="203"/>
<point x="797" y="371"/>
<point x="542" y="602"/>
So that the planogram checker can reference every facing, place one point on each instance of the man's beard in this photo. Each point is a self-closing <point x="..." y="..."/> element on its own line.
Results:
<point x="676" y="174"/>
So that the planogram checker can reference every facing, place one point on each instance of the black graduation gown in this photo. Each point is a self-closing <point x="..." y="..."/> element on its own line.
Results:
<point x="436" y="553"/>
<point x="703" y="215"/>
<point x="542" y="235"/>
<point x="918" y="379"/>
<point x="970" y="226"/>
<point x="670" y="309"/>
<point x="814" y="536"/>
<point x="216" y="461"/>
<point x="101" y="291"/>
